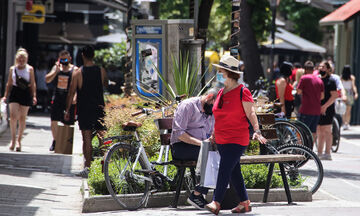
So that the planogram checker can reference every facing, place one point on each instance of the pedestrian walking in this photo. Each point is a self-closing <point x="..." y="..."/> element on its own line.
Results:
<point x="60" y="75"/>
<point x="21" y="93"/>
<point x="327" y="111"/>
<point x="232" y="109"/>
<point x="348" y="81"/>
<point x="311" y="90"/>
<point x="87" y="82"/>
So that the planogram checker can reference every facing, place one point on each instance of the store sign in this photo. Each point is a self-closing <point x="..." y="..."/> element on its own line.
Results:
<point x="148" y="30"/>
<point x="48" y="4"/>
<point x="36" y="15"/>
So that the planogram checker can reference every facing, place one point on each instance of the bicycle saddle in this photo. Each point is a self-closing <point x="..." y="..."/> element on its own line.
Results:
<point x="131" y="126"/>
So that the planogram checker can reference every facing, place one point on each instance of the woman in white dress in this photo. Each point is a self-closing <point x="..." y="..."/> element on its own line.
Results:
<point x="348" y="81"/>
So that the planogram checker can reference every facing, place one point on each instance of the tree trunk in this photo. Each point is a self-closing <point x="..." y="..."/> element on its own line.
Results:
<point x="249" y="47"/>
<point x="203" y="22"/>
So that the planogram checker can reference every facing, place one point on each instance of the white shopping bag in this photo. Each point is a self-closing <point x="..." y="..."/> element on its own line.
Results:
<point x="212" y="169"/>
<point x="202" y="158"/>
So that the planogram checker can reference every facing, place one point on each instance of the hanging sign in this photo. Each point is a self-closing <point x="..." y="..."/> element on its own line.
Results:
<point x="35" y="15"/>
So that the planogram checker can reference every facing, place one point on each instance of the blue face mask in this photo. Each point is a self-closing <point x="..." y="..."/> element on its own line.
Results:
<point x="220" y="78"/>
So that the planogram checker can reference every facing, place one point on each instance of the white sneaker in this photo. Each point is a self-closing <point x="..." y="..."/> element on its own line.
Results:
<point x="327" y="157"/>
<point x="324" y="156"/>
<point x="83" y="173"/>
<point x="346" y="127"/>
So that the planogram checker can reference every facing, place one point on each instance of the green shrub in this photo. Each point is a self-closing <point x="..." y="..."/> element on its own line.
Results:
<point x="253" y="148"/>
<point x="255" y="176"/>
<point x="96" y="179"/>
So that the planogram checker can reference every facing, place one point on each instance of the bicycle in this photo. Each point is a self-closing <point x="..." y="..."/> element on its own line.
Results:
<point x="308" y="172"/>
<point x="130" y="177"/>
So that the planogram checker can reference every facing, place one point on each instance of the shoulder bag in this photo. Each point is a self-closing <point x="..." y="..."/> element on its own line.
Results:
<point x="21" y="82"/>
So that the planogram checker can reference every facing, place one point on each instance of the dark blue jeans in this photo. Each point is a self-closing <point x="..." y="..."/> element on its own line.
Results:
<point x="230" y="170"/>
<point x="185" y="151"/>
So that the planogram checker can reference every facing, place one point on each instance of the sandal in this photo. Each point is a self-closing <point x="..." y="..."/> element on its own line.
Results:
<point x="212" y="209"/>
<point x="242" y="207"/>
<point x="12" y="147"/>
<point x="18" y="149"/>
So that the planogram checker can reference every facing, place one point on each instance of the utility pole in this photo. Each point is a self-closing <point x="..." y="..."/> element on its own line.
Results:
<point x="235" y="29"/>
<point x="273" y="4"/>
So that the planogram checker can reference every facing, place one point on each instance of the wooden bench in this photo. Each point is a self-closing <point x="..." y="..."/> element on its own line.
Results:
<point x="271" y="160"/>
<point x="266" y="122"/>
<point x="165" y="126"/>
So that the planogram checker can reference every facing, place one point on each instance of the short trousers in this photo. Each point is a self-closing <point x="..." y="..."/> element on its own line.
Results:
<point x="20" y="96"/>
<point x="57" y="110"/>
<point x="92" y="121"/>
<point x="311" y="121"/>
<point x="327" y="119"/>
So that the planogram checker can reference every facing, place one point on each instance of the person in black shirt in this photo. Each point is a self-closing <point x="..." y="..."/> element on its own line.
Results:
<point x="60" y="75"/>
<point x="327" y="111"/>
<point x="87" y="82"/>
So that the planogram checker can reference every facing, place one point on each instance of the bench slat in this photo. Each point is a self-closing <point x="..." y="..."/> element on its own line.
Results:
<point x="270" y="158"/>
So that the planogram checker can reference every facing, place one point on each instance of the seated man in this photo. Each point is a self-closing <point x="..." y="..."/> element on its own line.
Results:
<point x="193" y="123"/>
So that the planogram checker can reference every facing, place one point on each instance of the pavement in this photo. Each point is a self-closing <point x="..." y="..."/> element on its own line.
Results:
<point x="35" y="181"/>
<point x="38" y="182"/>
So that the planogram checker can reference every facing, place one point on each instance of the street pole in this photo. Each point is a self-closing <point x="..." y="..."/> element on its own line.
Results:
<point x="273" y="27"/>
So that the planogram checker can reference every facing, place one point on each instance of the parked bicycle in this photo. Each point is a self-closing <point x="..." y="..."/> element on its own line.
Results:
<point x="130" y="176"/>
<point x="308" y="173"/>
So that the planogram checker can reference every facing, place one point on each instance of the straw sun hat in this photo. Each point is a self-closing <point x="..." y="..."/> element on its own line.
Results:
<point x="229" y="63"/>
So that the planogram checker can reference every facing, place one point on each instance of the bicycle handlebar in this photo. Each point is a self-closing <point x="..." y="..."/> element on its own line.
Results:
<point x="180" y="97"/>
<point x="137" y="113"/>
<point x="148" y="111"/>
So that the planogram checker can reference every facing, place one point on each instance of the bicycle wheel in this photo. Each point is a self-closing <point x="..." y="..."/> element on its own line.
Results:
<point x="288" y="133"/>
<point x="336" y="135"/>
<point x="307" y="173"/>
<point x="307" y="134"/>
<point x="124" y="180"/>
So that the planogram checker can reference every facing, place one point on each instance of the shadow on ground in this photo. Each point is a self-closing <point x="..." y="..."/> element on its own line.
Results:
<point x="21" y="196"/>
<point x="24" y="164"/>
<point x="351" y="136"/>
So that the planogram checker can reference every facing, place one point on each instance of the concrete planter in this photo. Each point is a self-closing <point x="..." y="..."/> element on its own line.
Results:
<point x="165" y="199"/>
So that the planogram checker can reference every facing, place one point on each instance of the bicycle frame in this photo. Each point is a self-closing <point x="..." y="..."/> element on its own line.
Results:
<point x="142" y="152"/>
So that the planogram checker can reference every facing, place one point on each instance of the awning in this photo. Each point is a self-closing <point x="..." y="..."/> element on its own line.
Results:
<point x="288" y="41"/>
<point x="342" y="14"/>
<point x="68" y="33"/>
<point x="112" y="38"/>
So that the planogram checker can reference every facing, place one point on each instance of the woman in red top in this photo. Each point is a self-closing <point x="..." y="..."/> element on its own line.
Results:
<point x="232" y="107"/>
<point x="284" y="89"/>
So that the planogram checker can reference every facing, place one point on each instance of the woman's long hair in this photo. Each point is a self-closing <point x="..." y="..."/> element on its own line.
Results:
<point x="346" y="73"/>
<point x="21" y="52"/>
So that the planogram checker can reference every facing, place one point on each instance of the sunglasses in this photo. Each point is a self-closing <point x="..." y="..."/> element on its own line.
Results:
<point x="64" y="60"/>
<point x="221" y="102"/>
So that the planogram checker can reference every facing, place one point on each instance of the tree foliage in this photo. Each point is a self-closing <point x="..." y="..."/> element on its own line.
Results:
<point x="305" y="19"/>
<point x="219" y="26"/>
<point x="174" y="9"/>
<point x="111" y="57"/>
